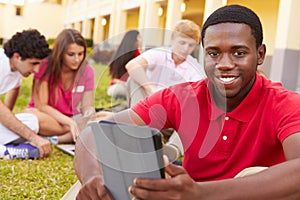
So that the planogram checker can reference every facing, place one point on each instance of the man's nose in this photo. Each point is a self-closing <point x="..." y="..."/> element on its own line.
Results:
<point x="225" y="62"/>
<point x="36" y="68"/>
<point x="186" y="47"/>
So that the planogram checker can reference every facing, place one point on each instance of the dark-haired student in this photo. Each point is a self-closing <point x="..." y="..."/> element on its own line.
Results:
<point x="241" y="120"/>
<point x="128" y="49"/>
<point x="21" y="56"/>
<point x="63" y="89"/>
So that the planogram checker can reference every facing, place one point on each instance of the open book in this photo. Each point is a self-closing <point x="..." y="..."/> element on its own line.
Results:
<point x="126" y="152"/>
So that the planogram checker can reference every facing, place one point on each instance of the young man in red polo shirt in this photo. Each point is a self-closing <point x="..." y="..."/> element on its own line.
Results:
<point x="235" y="119"/>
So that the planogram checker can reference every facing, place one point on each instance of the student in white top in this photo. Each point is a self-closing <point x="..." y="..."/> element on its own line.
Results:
<point x="20" y="57"/>
<point x="162" y="67"/>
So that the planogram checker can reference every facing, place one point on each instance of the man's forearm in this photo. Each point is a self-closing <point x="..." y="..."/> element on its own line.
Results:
<point x="278" y="182"/>
<point x="139" y="75"/>
<point x="86" y="163"/>
<point x="137" y="71"/>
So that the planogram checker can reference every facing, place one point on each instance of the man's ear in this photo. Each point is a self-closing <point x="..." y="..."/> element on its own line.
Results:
<point x="17" y="56"/>
<point x="261" y="53"/>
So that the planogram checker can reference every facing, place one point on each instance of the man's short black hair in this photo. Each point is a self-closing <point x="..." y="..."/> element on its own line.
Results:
<point x="236" y="14"/>
<point x="29" y="44"/>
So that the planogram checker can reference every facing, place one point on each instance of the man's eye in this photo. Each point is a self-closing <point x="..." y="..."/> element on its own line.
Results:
<point x="213" y="54"/>
<point x="239" y="53"/>
<point x="192" y="45"/>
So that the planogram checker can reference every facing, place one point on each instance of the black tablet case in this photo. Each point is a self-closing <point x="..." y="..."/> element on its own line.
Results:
<point x="126" y="152"/>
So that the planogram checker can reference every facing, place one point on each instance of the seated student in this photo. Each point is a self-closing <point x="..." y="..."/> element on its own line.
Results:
<point x="127" y="50"/>
<point x="64" y="82"/>
<point x="162" y="67"/>
<point x="240" y="119"/>
<point x="20" y="57"/>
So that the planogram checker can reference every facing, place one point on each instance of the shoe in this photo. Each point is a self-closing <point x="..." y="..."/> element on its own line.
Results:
<point x="3" y="152"/>
<point x="51" y="139"/>
<point x="21" y="151"/>
<point x="171" y="152"/>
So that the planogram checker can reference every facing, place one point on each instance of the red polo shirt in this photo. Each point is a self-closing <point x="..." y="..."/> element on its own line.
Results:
<point x="218" y="145"/>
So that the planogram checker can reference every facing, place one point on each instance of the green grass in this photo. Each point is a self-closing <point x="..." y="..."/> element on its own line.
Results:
<point x="49" y="178"/>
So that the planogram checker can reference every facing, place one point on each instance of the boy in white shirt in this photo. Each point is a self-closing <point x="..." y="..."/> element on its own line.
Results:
<point x="162" y="67"/>
<point x="20" y="57"/>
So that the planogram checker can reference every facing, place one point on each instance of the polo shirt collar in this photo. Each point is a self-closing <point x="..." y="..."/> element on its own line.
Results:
<point x="245" y="110"/>
<point x="169" y="55"/>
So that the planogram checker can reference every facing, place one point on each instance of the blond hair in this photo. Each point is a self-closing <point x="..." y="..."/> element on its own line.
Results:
<point x="187" y="28"/>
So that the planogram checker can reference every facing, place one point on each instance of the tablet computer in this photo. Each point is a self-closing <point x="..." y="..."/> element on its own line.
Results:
<point x="126" y="152"/>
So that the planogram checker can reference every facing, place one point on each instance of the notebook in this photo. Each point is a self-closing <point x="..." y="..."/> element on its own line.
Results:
<point x="67" y="148"/>
<point x="126" y="152"/>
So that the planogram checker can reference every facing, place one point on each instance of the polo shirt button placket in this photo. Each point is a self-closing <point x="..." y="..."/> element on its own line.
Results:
<point x="224" y="136"/>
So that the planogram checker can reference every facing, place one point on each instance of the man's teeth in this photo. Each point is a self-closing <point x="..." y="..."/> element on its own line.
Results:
<point x="227" y="79"/>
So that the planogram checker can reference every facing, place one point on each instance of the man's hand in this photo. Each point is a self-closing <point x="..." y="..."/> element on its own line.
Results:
<point x="179" y="186"/>
<point x="74" y="129"/>
<point x="42" y="144"/>
<point x="94" y="189"/>
<point x="88" y="169"/>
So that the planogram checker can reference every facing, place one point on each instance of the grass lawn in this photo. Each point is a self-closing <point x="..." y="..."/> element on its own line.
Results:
<point x="49" y="178"/>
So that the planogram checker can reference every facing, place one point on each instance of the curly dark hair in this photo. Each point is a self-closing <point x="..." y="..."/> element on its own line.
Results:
<point x="29" y="44"/>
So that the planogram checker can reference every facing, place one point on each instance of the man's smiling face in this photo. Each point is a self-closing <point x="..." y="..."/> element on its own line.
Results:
<point x="231" y="58"/>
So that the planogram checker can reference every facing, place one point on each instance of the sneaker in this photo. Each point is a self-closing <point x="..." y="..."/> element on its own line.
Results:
<point x="51" y="139"/>
<point x="171" y="152"/>
<point x="21" y="151"/>
<point x="3" y="152"/>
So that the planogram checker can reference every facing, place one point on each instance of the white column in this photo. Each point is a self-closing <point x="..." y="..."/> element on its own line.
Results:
<point x="151" y="17"/>
<point x="142" y="14"/>
<point x="117" y="20"/>
<point x="98" y="30"/>
<point x="212" y="5"/>
<point x="150" y="31"/>
<point x="285" y="62"/>
<point x="173" y="15"/>
<point x="87" y="28"/>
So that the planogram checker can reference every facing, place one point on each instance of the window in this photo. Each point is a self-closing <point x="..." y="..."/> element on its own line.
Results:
<point x="19" y="11"/>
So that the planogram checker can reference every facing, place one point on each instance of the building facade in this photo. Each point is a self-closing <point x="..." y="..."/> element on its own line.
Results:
<point x="103" y="19"/>
<point x="107" y="20"/>
<point x="18" y="15"/>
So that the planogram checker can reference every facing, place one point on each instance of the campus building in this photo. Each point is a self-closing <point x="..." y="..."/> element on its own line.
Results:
<point x="104" y="20"/>
<point x="17" y="15"/>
